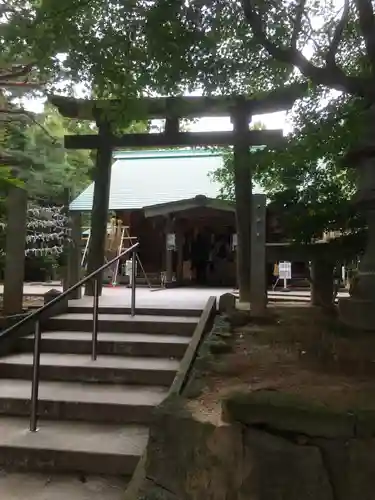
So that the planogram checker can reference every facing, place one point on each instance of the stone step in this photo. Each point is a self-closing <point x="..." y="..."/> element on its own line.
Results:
<point x="144" y="311"/>
<point x="80" y="368"/>
<point x="38" y="486"/>
<point x="125" y="344"/>
<point x="82" y="402"/>
<point x="70" y="447"/>
<point x="175" y="325"/>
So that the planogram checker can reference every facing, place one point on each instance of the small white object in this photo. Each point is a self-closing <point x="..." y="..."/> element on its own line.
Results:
<point x="285" y="272"/>
<point x="234" y="241"/>
<point x="171" y="241"/>
<point x="128" y="267"/>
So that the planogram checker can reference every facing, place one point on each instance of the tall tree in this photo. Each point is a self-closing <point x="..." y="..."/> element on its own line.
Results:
<point x="123" y="48"/>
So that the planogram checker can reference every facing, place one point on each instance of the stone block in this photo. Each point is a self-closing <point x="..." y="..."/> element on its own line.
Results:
<point x="51" y="295"/>
<point x="59" y="308"/>
<point x="274" y="468"/>
<point x="357" y="313"/>
<point x="190" y="458"/>
<point x="227" y="303"/>
<point x="351" y="465"/>
<point x="284" y="412"/>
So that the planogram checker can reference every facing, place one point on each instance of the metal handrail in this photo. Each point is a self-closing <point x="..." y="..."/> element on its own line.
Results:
<point x="35" y="316"/>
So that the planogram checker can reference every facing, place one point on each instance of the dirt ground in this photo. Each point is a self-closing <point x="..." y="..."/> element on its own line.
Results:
<point x="299" y="351"/>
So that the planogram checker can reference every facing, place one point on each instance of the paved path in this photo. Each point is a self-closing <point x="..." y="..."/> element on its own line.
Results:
<point x="59" y="487"/>
<point x="173" y="298"/>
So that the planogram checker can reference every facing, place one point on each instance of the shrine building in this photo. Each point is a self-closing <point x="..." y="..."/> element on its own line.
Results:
<point x="168" y="200"/>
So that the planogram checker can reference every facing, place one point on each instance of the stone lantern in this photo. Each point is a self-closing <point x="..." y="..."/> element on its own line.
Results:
<point x="358" y="311"/>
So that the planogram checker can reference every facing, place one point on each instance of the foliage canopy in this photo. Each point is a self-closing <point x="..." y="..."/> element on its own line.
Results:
<point x="119" y="48"/>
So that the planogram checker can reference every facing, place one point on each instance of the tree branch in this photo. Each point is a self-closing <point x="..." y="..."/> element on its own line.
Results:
<point x="297" y="23"/>
<point x="329" y="76"/>
<point x="367" y="26"/>
<point x="6" y="8"/>
<point x="337" y="36"/>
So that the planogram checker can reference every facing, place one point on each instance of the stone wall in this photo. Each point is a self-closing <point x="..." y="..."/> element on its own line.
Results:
<point x="189" y="457"/>
<point x="260" y="445"/>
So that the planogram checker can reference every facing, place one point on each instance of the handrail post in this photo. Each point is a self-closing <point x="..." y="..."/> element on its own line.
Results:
<point x="35" y="380"/>
<point x="95" y="320"/>
<point x="133" y="277"/>
<point x="35" y="315"/>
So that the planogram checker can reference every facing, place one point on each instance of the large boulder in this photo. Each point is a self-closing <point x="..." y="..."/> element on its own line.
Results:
<point x="189" y="456"/>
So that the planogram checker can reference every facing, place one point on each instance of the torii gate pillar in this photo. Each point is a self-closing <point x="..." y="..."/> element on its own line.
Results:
<point x="100" y="205"/>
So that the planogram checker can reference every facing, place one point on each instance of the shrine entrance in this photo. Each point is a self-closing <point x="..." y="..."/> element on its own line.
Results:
<point x="201" y="249"/>
<point x="240" y="109"/>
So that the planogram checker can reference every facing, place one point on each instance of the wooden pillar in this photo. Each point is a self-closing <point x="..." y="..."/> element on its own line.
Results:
<point x="243" y="194"/>
<point x="168" y="252"/>
<point x="322" y="283"/>
<point x="15" y="250"/>
<point x="99" y="212"/>
<point x="258" y="256"/>
<point x="64" y="257"/>
<point x="74" y="253"/>
<point x="180" y="253"/>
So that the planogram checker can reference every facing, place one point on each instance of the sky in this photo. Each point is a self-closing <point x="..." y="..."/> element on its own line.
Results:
<point x="271" y="121"/>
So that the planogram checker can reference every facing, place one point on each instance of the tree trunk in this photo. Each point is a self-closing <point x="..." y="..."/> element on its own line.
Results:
<point x="358" y="310"/>
<point x="322" y="283"/>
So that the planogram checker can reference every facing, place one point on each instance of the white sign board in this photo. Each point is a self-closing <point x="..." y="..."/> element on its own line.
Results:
<point x="129" y="267"/>
<point x="171" y="241"/>
<point x="234" y="241"/>
<point x="285" y="270"/>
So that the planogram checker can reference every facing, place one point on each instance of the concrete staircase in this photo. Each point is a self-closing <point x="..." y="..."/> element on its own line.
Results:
<point x="93" y="414"/>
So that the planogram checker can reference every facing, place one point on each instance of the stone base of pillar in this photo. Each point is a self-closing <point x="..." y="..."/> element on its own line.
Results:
<point x="357" y="313"/>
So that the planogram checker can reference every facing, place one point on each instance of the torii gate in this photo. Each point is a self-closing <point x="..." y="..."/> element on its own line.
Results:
<point x="173" y="109"/>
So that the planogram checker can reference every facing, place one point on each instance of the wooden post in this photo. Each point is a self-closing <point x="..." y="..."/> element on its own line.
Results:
<point x="322" y="283"/>
<point x="168" y="252"/>
<point x="258" y="256"/>
<point x="243" y="193"/>
<point x="15" y="250"/>
<point x="99" y="212"/>
<point x="64" y="258"/>
<point x="180" y="253"/>
<point x="74" y="254"/>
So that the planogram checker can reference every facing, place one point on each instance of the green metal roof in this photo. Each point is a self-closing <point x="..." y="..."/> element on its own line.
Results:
<point x="145" y="178"/>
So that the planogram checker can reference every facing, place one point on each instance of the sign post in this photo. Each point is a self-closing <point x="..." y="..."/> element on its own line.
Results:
<point x="285" y="272"/>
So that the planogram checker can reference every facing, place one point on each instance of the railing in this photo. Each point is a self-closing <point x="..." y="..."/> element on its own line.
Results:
<point x="35" y="316"/>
